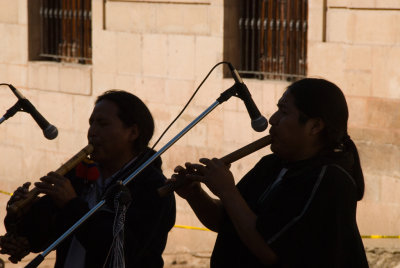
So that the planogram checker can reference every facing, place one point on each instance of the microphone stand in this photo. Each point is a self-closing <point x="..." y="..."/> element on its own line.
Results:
<point x="12" y="111"/>
<point x="232" y="91"/>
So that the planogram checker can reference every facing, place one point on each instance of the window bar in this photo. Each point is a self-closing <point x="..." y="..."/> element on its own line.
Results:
<point x="282" y="56"/>
<point x="292" y="39"/>
<point x="271" y="38"/>
<point x="247" y="37"/>
<point x="253" y="34"/>
<point x="304" y="38"/>
<point x="88" y="32"/>
<point x="263" y="36"/>
<point x="277" y="39"/>
<point x="289" y="28"/>
<point x="298" y="35"/>
<point x="57" y="32"/>
<point x="42" y="23"/>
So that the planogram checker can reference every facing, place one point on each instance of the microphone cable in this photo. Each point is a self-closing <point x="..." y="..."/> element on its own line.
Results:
<point x="188" y="102"/>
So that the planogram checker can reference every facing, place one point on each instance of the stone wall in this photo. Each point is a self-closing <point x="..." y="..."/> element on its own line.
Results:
<point x="161" y="50"/>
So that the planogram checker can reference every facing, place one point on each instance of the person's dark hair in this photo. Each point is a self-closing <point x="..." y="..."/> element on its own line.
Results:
<point x="132" y="111"/>
<point x="319" y="98"/>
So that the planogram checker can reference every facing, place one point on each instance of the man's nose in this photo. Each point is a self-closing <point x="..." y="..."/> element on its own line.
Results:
<point x="273" y="120"/>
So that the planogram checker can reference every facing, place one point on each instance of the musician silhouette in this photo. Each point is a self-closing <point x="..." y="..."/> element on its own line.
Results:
<point x="297" y="206"/>
<point x="121" y="127"/>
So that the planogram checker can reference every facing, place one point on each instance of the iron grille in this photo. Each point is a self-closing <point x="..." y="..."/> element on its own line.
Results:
<point x="66" y="30"/>
<point x="273" y="39"/>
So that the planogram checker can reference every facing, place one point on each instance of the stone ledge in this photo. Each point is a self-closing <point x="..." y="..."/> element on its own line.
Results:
<point x="60" y="77"/>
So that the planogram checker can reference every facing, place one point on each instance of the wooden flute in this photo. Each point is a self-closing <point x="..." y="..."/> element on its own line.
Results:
<point x="19" y="207"/>
<point x="227" y="159"/>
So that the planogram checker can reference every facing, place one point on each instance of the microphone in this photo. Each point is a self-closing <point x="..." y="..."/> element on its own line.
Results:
<point x="258" y="122"/>
<point x="49" y="131"/>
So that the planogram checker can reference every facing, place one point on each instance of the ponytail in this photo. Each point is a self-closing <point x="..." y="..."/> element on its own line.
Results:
<point x="358" y="176"/>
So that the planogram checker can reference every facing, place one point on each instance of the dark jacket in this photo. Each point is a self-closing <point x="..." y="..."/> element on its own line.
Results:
<point x="148" y="221"/>
<point x="308" y="218"/>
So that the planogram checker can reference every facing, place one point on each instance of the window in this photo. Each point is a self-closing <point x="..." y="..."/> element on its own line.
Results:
<point x="271" y="38"/>
<point x="60" y="30"/>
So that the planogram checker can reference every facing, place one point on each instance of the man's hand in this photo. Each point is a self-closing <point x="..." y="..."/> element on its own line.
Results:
<point x="57" y="187"/>
<point x="15" y="246"/>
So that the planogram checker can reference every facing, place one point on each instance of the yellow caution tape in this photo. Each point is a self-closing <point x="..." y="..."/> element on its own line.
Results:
<point x="380" y="236"/>
<point x="4" y="192"/>
<point x="363" y="236"/>
<point x="191" y="227"/>
<point x="205" y="229"/>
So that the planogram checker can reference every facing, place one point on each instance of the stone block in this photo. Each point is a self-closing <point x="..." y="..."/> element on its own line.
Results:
<point x="196" y="19"/>
<point x="215" y="18"/>
<point x="9" y="11"/>
<point x="383" y="114"/>
<point x="178" y="154"/>
<point x="102" y="82"/>
<point x="358" y="111"/>
<point x="315" y="19"/>
<point x="390" y="190"/>
<point x="51" y="77"/>
<point x="82" y="107"/>
<point x="376" y="27"/>
<point x="98" y="19"/>
<point x="374" y="187"/>
<point x="22" y="12"/>
<point x="205" y="57"/>
<point x="154" y="89"/>
<point x="358" y="58"/>
<point x="361" y="3"/>
<point x="154" y="54"/>
<point x="209" y="92"/>
<point x="379" y="159"/>
<point x="386" y="79"/>
<point x="17" y="75"/>
<point x="375" y="135"/>
<point x="71" y="142"/>
<point x="181" y="55"/>
<point x="14" y="48"/>
<point x="372" y="4"/>
<point x="337" y="3"/>
<point x="325" y="60"/>
<point x="57" y="108"/>
<point x="105" y="51"/>
<point x="10" y="162"/>
<point x="131" y="17"/>
<point x="3" y="71"/>
<point x="338" y="25"/>
<point x="389" y="4"/>
<point x="19" y="130"/>
<point x="182" y="19"/>
<point x="197" y="136"/>
<point x="214" y="134"/>
<point x="178" y="92"/>
<point x="35" y="74"/>
<point x="240" y="130"/>
<point x="130" y="83"/>
<point x="75" y="79"/>
<point x="358" y="83"/>
<point x="209" y="52"/>
<point x="129" y="54"/>
<point x="378" y="218"/>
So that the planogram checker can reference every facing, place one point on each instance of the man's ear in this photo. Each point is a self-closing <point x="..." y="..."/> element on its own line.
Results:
<point x="316" y="125"/>
<point x="134" y="132"/>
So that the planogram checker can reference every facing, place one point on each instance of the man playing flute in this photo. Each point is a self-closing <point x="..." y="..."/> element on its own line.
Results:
<point x="121" y="127"/>
<point x="297" y="206"/>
